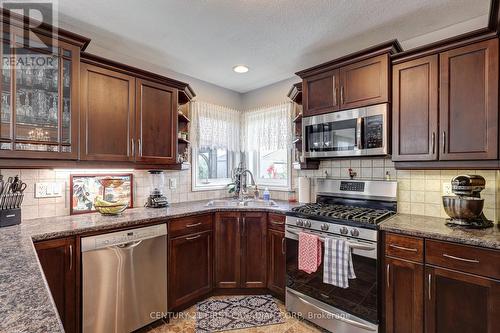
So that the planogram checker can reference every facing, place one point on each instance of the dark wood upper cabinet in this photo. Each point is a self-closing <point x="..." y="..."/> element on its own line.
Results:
<point x="365" y="82"/>
<point x="461" y="303"/>
<point x="156" y="122"/>
<point x="107" y="114"/>
<point x="321" y="93"/>
<point x="404" y="288"/>
<point x="190" y="269"/>
<point x="227" y="249"/>
<point x="415" y="110"/>
<point x="254" y="253"/>
<point x="469" y="102"/>
<point x="58" y="258"/>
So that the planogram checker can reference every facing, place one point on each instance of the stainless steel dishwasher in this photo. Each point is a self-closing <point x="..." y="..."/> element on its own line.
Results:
<point x="124" y="279"/>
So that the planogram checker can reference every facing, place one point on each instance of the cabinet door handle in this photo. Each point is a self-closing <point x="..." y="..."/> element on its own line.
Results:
<point x="283" y="251"/>
<point x="433" y="143"/>
<point x="70" y="257"/>
<point x="341" y="95"/>
<point x="139" y="141"/>
<point x="193" y="225"/>
<point x="403" y="248"/>
<point x="335" y="92"/>
<point x="194" y="237"/>
<point x="475" y="261"/>
<point x="388" y="275"/>
<point x="132" y="144"/>
<point x="244" y="227"/>
<point x="444" y="142"/>
<point x="429" y="286"/>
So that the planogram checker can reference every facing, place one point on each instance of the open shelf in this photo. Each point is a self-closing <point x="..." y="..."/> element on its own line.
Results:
<point x="182" y="118"/>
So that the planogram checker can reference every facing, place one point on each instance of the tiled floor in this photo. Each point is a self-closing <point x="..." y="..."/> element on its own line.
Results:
<point x="185" y="323"/>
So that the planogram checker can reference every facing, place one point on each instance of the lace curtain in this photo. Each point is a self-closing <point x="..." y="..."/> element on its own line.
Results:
<point x="267" y="128"/>
<point x="215" y="126"/>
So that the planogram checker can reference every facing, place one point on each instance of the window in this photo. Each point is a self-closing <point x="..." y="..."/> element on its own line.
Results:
<point x="271" y="168"/>
<point x="215" y="133"/>
<point x="266" y="141"/>
<point x="213" y="167"/>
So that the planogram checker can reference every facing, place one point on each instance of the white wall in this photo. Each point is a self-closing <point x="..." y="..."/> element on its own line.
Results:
<point x="268" y="95"/>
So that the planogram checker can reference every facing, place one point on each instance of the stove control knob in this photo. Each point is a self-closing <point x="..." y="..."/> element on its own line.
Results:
<point x="324" y="227"/>
<point x="307" y="224"/>
<point x="355" y="232"/>
<point x="300" y="223"/>
<point x="344" y="231"/>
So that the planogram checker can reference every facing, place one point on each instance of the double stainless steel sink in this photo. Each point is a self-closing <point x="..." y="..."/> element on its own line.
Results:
<point x="241" y="203"/>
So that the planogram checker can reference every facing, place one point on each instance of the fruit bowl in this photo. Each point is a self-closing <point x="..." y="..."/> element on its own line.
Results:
<point x="109" y="208"/>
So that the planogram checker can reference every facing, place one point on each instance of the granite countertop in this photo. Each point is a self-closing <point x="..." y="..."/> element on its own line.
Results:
<point x="25" y="301"/>
<point x="435" y="228"/>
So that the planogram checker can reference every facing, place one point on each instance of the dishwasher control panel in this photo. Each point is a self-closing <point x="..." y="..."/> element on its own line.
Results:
<point x="122" y="237"/>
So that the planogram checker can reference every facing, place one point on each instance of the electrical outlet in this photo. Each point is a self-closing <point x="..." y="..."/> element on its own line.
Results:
<point x="447" y="189"/>
<point x="48" y="190"/>
<point x="172" y="183"/>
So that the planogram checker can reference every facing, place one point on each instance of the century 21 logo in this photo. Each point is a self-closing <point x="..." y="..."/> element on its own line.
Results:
<point x="42" y="11"/>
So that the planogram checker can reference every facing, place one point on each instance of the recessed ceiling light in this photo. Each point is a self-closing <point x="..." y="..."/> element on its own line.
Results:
<point x="240" y="69"/>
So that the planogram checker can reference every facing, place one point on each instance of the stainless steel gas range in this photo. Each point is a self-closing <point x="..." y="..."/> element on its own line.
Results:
<point x="348" y="209"/>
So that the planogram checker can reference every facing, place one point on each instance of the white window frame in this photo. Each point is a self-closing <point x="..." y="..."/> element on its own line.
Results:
<point x="219" y="184"/>
<point x="271" y="184"/>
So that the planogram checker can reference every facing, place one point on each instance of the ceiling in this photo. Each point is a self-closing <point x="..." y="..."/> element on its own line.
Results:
<point x="275" y="38"/>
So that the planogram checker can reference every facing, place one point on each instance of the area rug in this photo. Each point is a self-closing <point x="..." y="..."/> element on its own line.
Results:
<point x="236" y="312"/>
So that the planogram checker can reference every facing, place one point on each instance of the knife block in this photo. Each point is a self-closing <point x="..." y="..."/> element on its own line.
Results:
<point x="9" y="217"/>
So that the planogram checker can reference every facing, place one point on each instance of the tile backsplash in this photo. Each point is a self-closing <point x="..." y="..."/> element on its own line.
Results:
<point x="47" y="207"/>
<point x="419" y="191"/>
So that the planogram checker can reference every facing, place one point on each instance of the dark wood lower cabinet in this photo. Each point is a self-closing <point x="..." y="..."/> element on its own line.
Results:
<point x="58" y="258"/>
<point x="404" y="289"/>
<point x="190" y="269"/>
<point x="227" y="249"/>
<point x="253" y="257"/>
<point x="460" y="302"/>
<point x="240" y="250"/>
<point x="276" y="274"/>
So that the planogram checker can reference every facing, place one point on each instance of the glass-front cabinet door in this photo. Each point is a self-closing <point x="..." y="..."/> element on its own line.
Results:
<point x="39" y="111"/>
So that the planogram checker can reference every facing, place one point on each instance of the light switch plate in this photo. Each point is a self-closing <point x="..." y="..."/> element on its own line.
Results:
<point x="48" y="190"/>
<point x="172" y="183"/>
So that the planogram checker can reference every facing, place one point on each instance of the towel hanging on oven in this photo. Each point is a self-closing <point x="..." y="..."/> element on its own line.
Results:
<point x="338" y="268"/>
<point x="309" y="252"/>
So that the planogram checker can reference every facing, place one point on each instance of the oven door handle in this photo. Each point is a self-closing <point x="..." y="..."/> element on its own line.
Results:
<point x="333" y="315"/>
<point x="352" y="245"/>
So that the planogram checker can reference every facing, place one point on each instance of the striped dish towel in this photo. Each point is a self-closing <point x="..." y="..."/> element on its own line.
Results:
<point x="338" y="267"/>
<point x="309" y="252"/>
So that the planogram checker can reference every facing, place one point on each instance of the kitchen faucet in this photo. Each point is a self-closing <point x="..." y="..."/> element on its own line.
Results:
<point x="240" y="182"/>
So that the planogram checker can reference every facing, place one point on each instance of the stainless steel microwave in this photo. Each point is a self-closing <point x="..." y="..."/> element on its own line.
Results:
<point x="356" y="132"/>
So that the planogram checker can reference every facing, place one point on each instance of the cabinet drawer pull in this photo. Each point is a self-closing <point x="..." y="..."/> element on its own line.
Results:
<point x="475" y="261"/>
<point x="193" y="225"/>
<point x="194" y="237"/>
<point x="277" y="223"/>
<point x="403" y="248"/>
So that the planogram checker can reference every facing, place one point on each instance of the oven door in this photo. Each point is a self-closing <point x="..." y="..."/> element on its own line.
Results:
<point x="354" y="309"/>
<point x="333" y="134"/>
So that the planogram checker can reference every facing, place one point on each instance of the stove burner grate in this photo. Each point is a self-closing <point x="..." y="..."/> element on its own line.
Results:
<point x="344" y="212"/>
